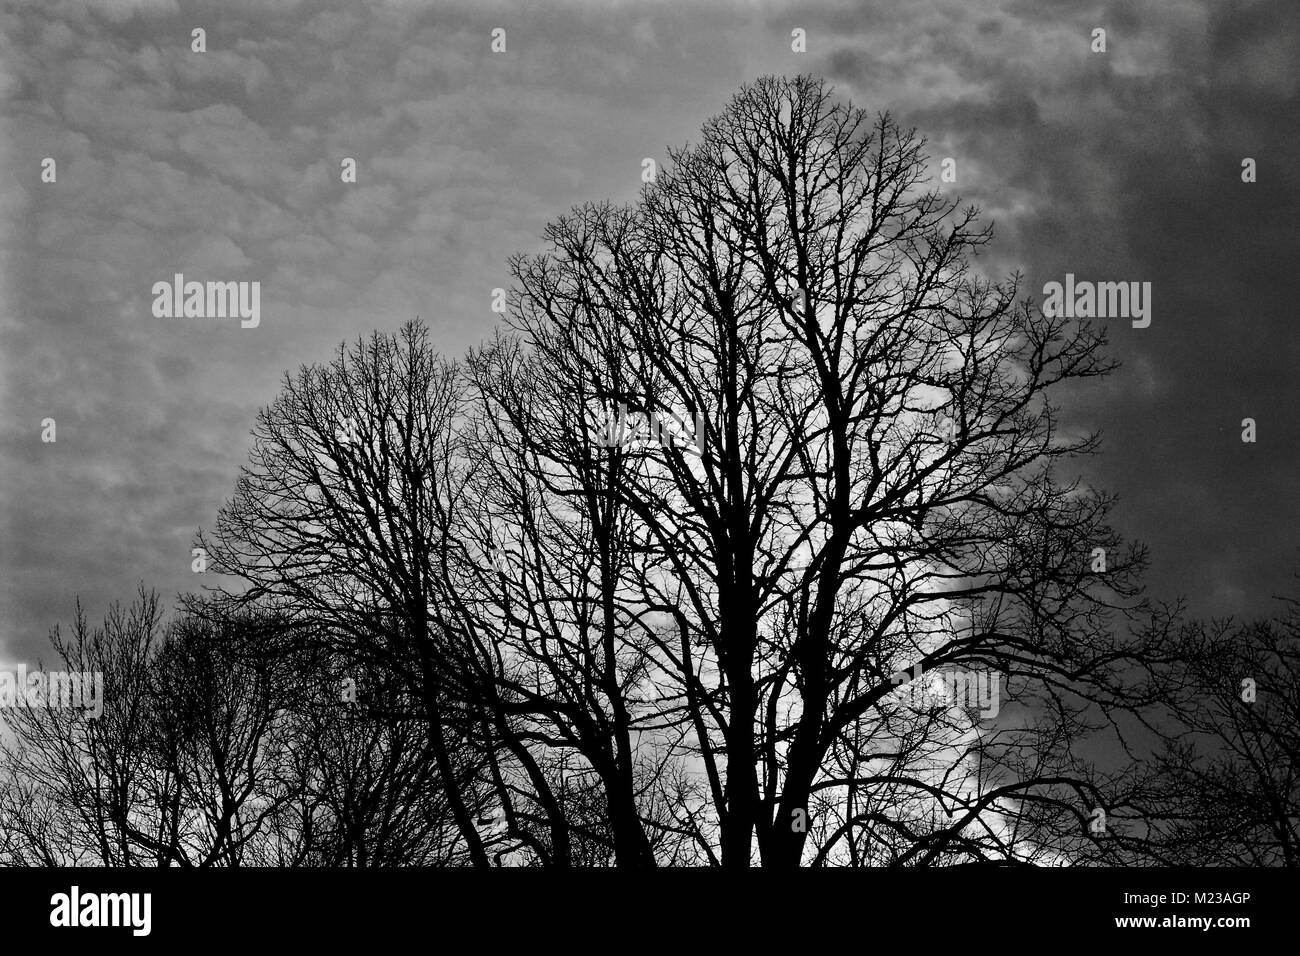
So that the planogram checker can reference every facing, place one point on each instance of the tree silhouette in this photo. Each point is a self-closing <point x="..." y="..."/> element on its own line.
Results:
<point x="853" y="473"/>
<point x="343" y="515"/>
<point x="225" y="740"/>
<point x="877" y="491"/>
<point x="743" y="630"/>
<point x="1222" y="788"/>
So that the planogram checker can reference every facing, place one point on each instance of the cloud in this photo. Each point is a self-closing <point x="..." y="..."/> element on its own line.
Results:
<point x="120" y="11"/>
<point x="226" y="165"/>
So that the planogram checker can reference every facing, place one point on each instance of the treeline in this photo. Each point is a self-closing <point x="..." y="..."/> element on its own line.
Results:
<point x="230" y="739"/>
<point x="246" y="739"/>
<point x="465" y="621"/>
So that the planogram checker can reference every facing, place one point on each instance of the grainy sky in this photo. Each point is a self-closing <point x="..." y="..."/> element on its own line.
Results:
<point x="224" y="165"/>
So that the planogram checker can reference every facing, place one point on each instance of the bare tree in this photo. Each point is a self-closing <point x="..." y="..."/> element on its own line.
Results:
<point x="343" y="513"/>
<point x="70" y="780"/>
<point x="1221" y="789"/>
<point x="374" y="790"/>
<point x="187" y="765"/>
<point x="874" y="488"/>
<point x="679" y="639"/>
<point x="220" y="734"/>
<point x="228" y="737"/>
<point x="554" y="601"/>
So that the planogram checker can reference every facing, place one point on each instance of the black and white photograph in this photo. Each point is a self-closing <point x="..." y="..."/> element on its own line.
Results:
<point x="844" y="447"/>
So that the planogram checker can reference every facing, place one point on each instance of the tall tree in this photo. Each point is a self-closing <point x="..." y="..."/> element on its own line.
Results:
<point x="845" y="464"/>
<point x="878" y="485"/>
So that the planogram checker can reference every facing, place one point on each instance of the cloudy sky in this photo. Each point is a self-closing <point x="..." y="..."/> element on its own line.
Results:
<point x="1123" y="165"/>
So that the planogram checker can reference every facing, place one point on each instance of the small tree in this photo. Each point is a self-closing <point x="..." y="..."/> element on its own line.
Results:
<point x="1222" y="791"/>
<point x="190" y="763"/>
<point x="71" y="784"/>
